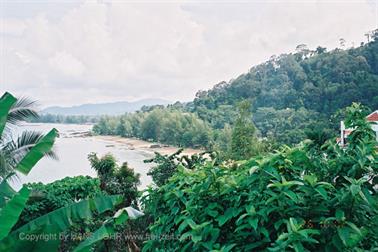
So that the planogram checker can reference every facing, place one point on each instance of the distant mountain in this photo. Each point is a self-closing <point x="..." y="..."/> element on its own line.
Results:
<point x="113" y="108"/>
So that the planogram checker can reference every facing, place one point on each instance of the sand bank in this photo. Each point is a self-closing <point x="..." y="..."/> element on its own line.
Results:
<point x="137" y="144"/>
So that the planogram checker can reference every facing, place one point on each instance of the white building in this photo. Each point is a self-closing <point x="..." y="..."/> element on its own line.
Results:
<point x="344" y="133"/>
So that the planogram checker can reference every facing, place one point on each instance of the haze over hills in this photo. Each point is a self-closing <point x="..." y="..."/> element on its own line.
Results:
<point x="113" y="108"/>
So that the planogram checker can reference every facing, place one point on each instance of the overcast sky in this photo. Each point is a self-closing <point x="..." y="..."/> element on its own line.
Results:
<point x="74" y="52"/>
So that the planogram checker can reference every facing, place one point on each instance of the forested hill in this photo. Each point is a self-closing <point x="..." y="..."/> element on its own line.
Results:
<point x="294" y="97"/>
<point x="298" y="87"/>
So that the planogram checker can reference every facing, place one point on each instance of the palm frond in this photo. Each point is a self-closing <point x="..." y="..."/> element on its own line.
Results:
<point x="28" y="138"/>
<point x="20" y="147"/>
<point x="22" y="110"/>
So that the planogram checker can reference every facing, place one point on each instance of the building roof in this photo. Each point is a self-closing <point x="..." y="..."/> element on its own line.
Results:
<point x="373" y="117"/>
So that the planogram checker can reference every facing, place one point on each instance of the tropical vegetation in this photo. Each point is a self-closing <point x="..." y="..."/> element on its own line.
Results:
<point x="271" y="176"/>
<point x="291" y="96"/>
<point x="51" y="218"/>
<point x="306" y="198"/>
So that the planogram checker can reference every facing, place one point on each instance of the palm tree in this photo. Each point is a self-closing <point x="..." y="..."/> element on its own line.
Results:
<point x="29" y="148"/>
<point x="14" y="148"/>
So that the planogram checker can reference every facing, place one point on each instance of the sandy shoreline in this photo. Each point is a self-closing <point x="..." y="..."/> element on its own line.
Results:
<point x="137" y="144"/>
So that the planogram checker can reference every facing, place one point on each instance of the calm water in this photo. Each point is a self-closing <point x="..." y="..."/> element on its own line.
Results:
<point x="73" y="151"/>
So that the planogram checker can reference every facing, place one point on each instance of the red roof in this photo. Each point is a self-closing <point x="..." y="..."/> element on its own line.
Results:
<point x="373" y="117"/>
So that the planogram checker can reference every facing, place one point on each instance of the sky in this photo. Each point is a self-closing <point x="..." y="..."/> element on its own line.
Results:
<point x="74" y="52"/>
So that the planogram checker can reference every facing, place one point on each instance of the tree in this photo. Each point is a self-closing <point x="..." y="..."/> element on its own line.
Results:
<point x="320" y="50"/>
<point x="244" y="139"/>
<point x="115" y="179"/>
<point x="167" y="165"/>
<point x="295" y="199"/>
<point x="342" y="42"/>
<point x="13" y="151"/>
<point x="150" y="127"/>
<point x="223" y="140"/>
<point x="55" y="222"/>
<point x="121" y="129"/>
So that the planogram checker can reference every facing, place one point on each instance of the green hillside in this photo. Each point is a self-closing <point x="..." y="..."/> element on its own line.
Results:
<point x="293" y="91"/>
<point x="293" y="97"/>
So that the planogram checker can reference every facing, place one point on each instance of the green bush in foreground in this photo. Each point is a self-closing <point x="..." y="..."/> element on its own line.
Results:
<point x="301" y="199"/>
<point x="60" y="193"/>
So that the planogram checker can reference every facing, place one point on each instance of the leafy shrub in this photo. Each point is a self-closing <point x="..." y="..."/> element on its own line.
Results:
<point x="115" y="179"/>
<point x="60" y="193"/>
<point x="166" y="165"/>
<point x="300" y="199"/>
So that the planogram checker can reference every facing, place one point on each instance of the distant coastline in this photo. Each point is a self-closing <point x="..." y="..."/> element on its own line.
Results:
<point x="145" y="146"/>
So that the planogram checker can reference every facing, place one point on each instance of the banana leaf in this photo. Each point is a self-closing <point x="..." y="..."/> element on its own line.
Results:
<point x="44" y="238"/>
<point x="62" y="218"/>
<point x="6" y="103"/>
<point x="43" y="146"/>
<point x="104" y="232"/>
<point x="108" y="228"/>
<point x="6" y="192"/>
<point x="11" y="212"/>
<point x="49" y="242"/>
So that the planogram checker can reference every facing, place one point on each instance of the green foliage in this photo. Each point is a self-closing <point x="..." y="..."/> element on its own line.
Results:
<point x="60" y="193"/>
<point x="244" y="142"/>
<point x="59" y="220"/>
<point x="62" y="207"/>
<point x="6" y="103"/>
<point x="290" y="94"/>
<point x="292" y="91"/>
<point x="109" y="227"/>
<point x="165" y="125"/>
<point x="355" y="118"/>
<point x="222" y="144"/>
<point x="10" y="213"/>
<point x="116" y="179"/>
<point x="23" y="152"/>
<point x="38" y="151"/>
<point x="6" y="192"/>
<point x="166" y="165"/>
<point x="301" y="199"/>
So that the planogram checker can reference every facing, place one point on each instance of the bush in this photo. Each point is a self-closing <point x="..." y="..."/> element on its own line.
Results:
<point x="300" y="199"/>
<point x="60" y="193"/>
<point x="115" y="179"/>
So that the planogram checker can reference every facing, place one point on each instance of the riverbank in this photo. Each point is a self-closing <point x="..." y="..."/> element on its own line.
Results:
<point x="141" y="145"/>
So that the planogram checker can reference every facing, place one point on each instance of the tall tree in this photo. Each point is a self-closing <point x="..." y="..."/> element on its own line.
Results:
<point x="244" y="139"/>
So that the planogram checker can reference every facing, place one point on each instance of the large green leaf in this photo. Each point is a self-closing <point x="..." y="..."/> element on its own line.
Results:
<point x="108" y="228"/>
<point x="6" y="102"/>
<point x="42" y="147"/>
<point x="65" y="216"/>
<point x="61" y="219"/>
<point x="46" y="238"/>
<point x="105" y="231"/>
<point x="11" y="212"/>
<point x="50" y="241"/>
<point x="6" y="192"/>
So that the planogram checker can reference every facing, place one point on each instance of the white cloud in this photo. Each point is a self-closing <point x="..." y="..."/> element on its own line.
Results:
<point x="66" y="64"/>
<point x="92" y="52"/>
<point x="12" y="27"/>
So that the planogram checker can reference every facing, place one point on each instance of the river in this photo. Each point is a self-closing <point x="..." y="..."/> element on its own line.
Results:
<point x="73" y="148"/>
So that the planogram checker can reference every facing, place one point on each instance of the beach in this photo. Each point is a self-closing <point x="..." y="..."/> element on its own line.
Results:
<point x="151" y="147"/>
